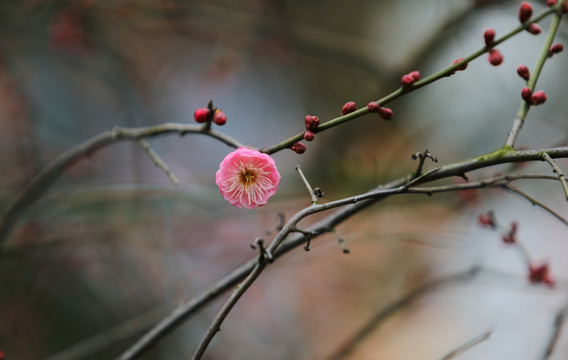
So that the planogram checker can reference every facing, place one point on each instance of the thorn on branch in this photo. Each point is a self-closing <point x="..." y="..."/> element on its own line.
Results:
<point x="308" y="234"/>
<point x="264" y="253"/>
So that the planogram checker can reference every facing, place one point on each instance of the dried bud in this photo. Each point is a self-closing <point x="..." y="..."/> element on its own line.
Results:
<point x="298" y="148"/>
<point x="523" y="72"/>
<point x="555" y="49"/>
<point x="541" y="274"/>
<point x="201" y="115"/>
<point x="349" y="107"/>
<point x="461" y="67"/>
<point x="526" y="94"/>
<point x="373" y="107"/>
<point x="309" y="136"/>
<point x="219" y="117"/>
<point x="495" y="57"/>
<point x="550" y="3"/>
<point x="525" y="12"/>
<point x="385" y="113"/>
<point x="312" y="122"/>
<point x="534" y="29"/>
<point x="539" y="97"/>
<point x="489" y="36"/>
<point x="511" y="236"/>
<point x="487" y="220"/>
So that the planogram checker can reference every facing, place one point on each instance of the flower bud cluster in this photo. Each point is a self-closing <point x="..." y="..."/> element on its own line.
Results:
<point x="312" y="123"/>
<point x="210" y="113"/>
<point x="408" y="79"/>
<point x="384" y="113"/>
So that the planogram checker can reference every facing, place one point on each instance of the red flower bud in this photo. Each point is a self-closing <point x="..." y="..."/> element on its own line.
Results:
<point x="349" y="107"/>
<point x="299" y="148"/>
<point x="312" y="122"/>
<point x="534" y="29"/>
<point x="406" y="81"/>
<point x="539" y="97"/>
<point x="555" y="49"/>
<point x="489" y="36"/>
<point x="201" y="115"/>
<point x="550" y="3"/>
<point x="219" y="117"/>
<point x="415" y="75"/>
<point x="487" y="220"/>
<point x="525" y="12"/>
<point x="373" y="107"/>
<point x="495" y="57"/>
<point x="523" y="72"/>
<point x="541" y="274"/>
<point x="526" y="94"/>
<point x="385" y="113"/>
<point x="309" y="136"/>
<point x="511" y="236"/>
<point x="461" y="67"/>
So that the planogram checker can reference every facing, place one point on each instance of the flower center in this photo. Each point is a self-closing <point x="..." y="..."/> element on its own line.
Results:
<point x="247" y="177"/>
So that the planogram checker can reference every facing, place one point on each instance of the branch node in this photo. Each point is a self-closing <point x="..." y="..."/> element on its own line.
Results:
<point x="264" y="253"/>
<point x="422" y="156"/>
<point x="557" y="171"/>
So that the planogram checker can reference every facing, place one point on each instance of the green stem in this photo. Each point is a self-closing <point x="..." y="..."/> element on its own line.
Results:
<point x="535" y="74"/>
<point x="400" y="91"/>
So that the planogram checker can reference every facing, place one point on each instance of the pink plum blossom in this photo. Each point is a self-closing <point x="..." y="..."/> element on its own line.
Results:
<point x="247" y="178"/>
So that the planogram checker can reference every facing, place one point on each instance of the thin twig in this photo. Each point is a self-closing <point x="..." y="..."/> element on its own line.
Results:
<point x="384" y="313"/>
<point x="535" y="74"/>
<point x="535" y="202"/>
<point x="468" y="345"/>
<point x="351" y="206"/>
<point x="558" y="172"/>
<point x="557" y="328"/>
<point x="307" y="184"/>
<point x="47" y="177"/>
<point x="158" y="160"/>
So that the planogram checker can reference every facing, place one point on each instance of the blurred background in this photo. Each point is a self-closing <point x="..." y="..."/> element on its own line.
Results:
<point x="114" y="246"/>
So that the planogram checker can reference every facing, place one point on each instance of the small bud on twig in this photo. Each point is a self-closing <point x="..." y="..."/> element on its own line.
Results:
<point x="538" y="98"/>
<point x="525" y="12"/>
<point x="489" y="36"/>
<point x="495" y="57"/>
<point x="524" y="72"/>
<point x="534" y="29"/>
<point x="349" y="107"/>
<point x="555" y="49"/>
<point x="200" y="115"/>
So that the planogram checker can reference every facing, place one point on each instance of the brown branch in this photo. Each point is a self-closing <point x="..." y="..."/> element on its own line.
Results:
<point x="350" y="206"/>
<point x="557" y="328"/>
<point x="383" y="314"/>
<point x="468" y="345"/>
<point x="47" y="177"/>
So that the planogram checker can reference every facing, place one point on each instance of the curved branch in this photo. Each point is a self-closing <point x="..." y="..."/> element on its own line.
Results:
<point x="55" y="169"/>
<point x="282" y="243"/>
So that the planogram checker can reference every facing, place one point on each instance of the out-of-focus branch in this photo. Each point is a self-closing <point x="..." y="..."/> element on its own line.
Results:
<point x="55" y="169"/>
<point x="383" y="314"/>
<point x="557" y="328"/>
<point x="468" y="345"/>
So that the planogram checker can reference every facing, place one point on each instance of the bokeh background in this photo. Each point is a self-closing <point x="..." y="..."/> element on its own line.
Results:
<point x="113" y="246"/>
